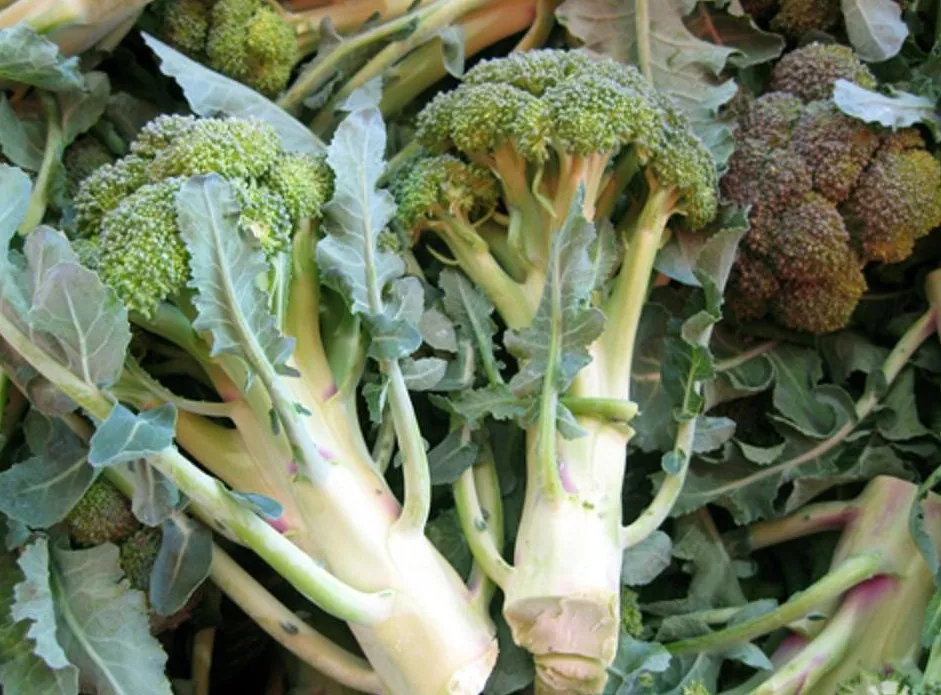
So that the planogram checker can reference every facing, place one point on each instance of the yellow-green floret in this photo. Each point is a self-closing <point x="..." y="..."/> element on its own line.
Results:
<point x="549" y="122"/>
<point x="250" y="41"/>
<point x="82" y="158"/>
<point x="184" y="24"/>
<point x="138" y="553"/>
<point x="128" y="209"/>
<point x="809" y="72"/>
<point x="632" y="621"/>
<point x="103" y="515"/>
<point x="827" y="195"/>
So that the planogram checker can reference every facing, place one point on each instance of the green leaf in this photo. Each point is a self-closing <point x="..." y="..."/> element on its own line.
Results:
<point x="34" y="603"/>
<point x="514" y="669"/>
<point x="445" y="533"/>
<point x="554" y="347"/>
<point x="22" y="139"/>
<point x="675" y="61"/>
<point x="15" y="191"/>
<point x="42" y="490"/>
<point x="27" y="57"/>
<point x="931" y="630"/>
<point x="654" y="424"/>
<point x="472" y="314"/>
<point x="718" y="26"/>
<point x="497" y="401"/>
<point x="423" y="374"/>
<point x="452" y="50"/>
<point x="182" y="565"/>
<point x="684" y="366"/>
<point x="124" y="436"/>
<point x="80" y="110"/>
<point x="262" y="505"/>
<point x="155" y="497"/>
<point x="225" y="267"/>
<point x="438" y="331"/>
<point x="848" y="352"/>
<point x="644" y="562"/>
<point x="350" y="257"/>
<point x="452" y="456"/>
<point x="712" y="433"/>
<point x="22" y="672"/>
<point x="897" y="413"/>
<point x="103" y="624"/>
<point x="875" y="28"/>
<point x="634" y="664"/>
<point x="817" y="411"/>
<point x="900" y="110"/>
<point x="210" y="94"/>
<point x="80" y="316"/>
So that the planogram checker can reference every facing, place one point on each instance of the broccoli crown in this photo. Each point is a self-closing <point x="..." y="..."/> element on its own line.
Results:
<point x="138" y="553"/>
<point x="545" y="103"/>
<point x="632" y="621"/>
<point x="129" y="208"/>
<point x="251" y="42"/>
<point x="103" y="515"/>
<point x="442" y="186"/>
<point x="828" y="194"/>
<point x="810" y="71"/>
<point x="185" y="24"/>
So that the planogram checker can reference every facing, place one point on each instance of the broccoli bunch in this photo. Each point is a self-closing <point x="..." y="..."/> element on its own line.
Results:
<point x="128" y="208"/>
<point x="248" y="40"/>
<point x="794" y="18"/>
<point x="828" y="194"/>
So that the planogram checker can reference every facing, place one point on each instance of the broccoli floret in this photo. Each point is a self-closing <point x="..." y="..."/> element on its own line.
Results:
<point x="796" y="17"/>
<point x="138" y="555"/>
<point x="184" y="24"/>
<point x="827" y="195"/>
<point x="896" y="202"/>
<point x="632" y="621"/>
<point x="696" y="687"/>
<point x="103" y="515"/>
<point x="129" y="208"/>
<point x="253" y="43"/>
<point x="809" y="72"/>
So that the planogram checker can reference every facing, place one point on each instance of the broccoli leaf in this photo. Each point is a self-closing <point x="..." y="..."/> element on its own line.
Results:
<point x="22" y="671"/>
<point x="497" y="401"/>
<point x="423" y="374"/>
<point x="27" y="57"/>
<point x="155" y="497"/>
<point x="662" y="47"/>
<point x="182" y="565"/>
<point x="124" y="436"/>
<point x="210" y="93"/>
<point x="875" y="28"/>
<point x="554" y="347"/>
<point x="351" y="258"/>
<point x="225" y="266"/>
<point x="644" y="562"/>
<point x="34" y="603"/>
<point x="80" y="317"/>
<point x="719" y="26"/>
<point x="634" y="664"/>
<point x="42" y="490"/>
<point x="900" y="110"/>
<point x="452" y="456"/>
<point x="103" y="624"/>
<point x="471" y="312"/>
<point x="514" y="669"/>
<point x="21" y="139"/>
<point x="15" y="191"/>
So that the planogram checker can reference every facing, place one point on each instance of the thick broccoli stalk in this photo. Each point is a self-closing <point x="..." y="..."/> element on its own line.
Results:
<point x="866" y="614"/>
<point x="523" y="150"/>
<point x="828" y="194"/>
<point x="412" y="614"/>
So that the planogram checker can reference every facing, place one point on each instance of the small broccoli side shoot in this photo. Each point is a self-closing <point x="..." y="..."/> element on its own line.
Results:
<point x="128" y="209"/>
<point x="828" y="195"/>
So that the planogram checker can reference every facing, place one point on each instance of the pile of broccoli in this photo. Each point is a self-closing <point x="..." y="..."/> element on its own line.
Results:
<point x="828" y="194"/>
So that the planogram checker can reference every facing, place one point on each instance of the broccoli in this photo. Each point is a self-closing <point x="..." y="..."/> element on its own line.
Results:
<point x="632" y="622"/>
<point x="795" y="18"/>
<point x="525" y="150"/>
<point x="828" y="194"/>
<point x="129" y="207"/>
<point x="138" y="553"/>
<point x="199" y="196"/>
<point x="102" y="515"/>
<point x="82" y="158"/>
<point x="865" y="615"/>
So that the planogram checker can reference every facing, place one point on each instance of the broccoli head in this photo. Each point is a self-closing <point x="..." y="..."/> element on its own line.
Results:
<point x="103" y="515"/>
<point x="810" y="71"/>
<point x="827" y="195"/>
<point x="796" y="17"/>
<point x="545" y="123"/>
<point x="128" y="209"/>
<point x="82" y="158"/>
<point x="184" y="24"/>
<point x="138" y="554"/>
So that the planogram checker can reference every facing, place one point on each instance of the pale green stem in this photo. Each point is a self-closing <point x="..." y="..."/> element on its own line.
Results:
<point x="848" y="574"/>
<point x="385" y="443"/>
<point x="932" y="672"/>
<point x="439" y="15"/>
<point x="487" y="486"/>
<point x="298" y="569"/>
<point x="731" y="363"/>
<point x="626" y="304"/>
<point x="541" y="27"/>
<point x="350" y="15"/>
<point x="203" y="642"/>
<point x="810" y="519"/>
<point x="417" y="504"/>
<point x="476" y="528"/>
<point x="51" y="157"/>
<point x="642" y="29"/>
<point x="611" y="409"/>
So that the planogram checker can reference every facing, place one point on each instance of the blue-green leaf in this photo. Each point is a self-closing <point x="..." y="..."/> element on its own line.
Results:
<point x="182" y="565"/>
<point x="124" y="436"/>
<point x="452" y="456"/>
<point x="875" y="28"/>
<point x="34" y="602"/>
<point x="225" y="268"/>
<point x="27" y="57"/>
<point x="155" y="497"/>
<point x="900" y="110"/>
